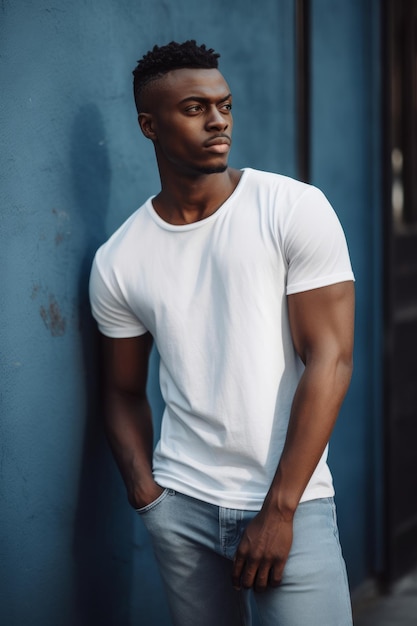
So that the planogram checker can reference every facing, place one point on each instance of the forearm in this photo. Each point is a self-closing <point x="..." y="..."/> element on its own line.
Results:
<point x="128" y="423"/>
<point x="315" y="408"/>
<point x="321" y="323"/>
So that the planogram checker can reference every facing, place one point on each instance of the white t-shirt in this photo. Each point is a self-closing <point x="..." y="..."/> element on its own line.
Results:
<point x="213" y="296"/>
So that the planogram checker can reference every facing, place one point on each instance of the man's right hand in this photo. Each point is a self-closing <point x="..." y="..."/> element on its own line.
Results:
<point x="143" y="497"/>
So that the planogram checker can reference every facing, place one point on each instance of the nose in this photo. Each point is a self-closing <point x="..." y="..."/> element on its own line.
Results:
<point x="216" y="120"/>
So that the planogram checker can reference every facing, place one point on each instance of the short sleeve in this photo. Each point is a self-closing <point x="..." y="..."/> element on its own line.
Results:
<point x="109" y="308"/>
<point x="315" y="245"/>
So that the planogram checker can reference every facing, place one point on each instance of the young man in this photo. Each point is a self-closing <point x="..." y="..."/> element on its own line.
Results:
<point x="242" y="278"/>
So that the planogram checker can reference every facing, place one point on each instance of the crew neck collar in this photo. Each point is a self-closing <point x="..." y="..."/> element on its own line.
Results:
<point x="200" y="223"/>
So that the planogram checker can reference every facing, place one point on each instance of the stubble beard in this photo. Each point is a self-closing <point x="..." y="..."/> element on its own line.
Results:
<point x="217" y="169"/>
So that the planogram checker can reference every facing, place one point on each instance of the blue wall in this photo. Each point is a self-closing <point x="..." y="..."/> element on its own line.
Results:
<point x="73" y="166"/>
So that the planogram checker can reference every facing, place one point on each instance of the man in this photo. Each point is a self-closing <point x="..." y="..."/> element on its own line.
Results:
<point x="242" y="278"/>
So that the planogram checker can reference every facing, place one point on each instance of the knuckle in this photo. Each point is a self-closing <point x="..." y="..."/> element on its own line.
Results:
<point x="255" y="557"/>
<point x="275" y="582"/>
<point x="275" y="578"/>
<point x="261" y="583"/>
<point x="250" y="572"/>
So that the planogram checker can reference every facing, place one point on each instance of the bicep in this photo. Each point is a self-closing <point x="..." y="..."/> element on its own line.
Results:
<point x="322" y="321"/>
<point x="126" y="363"/>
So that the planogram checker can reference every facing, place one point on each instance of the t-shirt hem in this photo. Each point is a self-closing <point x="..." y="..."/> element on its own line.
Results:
<point x="315" y="493"/>
<point x="244" y="502"/>
<point x="122" y="333"/>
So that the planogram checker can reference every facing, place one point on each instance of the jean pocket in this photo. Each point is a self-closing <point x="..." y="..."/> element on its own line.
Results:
<point x="154" y="503"/>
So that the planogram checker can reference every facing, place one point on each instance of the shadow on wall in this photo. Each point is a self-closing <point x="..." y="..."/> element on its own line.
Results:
<point x="103" y="524"/>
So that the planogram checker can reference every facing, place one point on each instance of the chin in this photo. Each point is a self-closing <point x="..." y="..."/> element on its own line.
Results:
<point x="213" y="169"/>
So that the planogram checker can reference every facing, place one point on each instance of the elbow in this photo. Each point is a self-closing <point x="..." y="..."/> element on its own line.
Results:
<point x="345" y="370"/>
<point x="334" y="365"/>
<point x="342" y="367"/>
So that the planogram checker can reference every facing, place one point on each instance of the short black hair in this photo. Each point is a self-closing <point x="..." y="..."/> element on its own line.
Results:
<point x="162" y="59"/>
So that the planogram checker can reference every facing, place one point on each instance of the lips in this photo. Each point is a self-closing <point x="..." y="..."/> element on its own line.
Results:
<point x="219" y="140"/>
<point x="219" y="144"/>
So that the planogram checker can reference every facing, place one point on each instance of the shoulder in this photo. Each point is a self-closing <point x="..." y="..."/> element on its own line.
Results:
<point x="282" y="197"/>
<point x="125" y="237"/>
<point x="285" y="188"/>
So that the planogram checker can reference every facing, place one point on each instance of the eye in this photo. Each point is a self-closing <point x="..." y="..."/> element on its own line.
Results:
<point x="227" y="106"/>
<point x="194" y="108"/>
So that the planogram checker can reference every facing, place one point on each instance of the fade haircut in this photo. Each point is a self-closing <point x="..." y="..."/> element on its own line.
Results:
<point x="162" y="59"/>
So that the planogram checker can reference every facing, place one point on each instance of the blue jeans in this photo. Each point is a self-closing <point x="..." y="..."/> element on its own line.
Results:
<point x="194" y="543"/>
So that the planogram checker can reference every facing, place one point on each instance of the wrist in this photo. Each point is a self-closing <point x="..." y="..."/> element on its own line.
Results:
<point x="279" y="504"/>
<point x="283" y="498"/>
<point x="140" y="494"/>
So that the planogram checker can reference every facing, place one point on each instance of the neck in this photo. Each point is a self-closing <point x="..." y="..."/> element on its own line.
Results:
<point x="187" y="199"/>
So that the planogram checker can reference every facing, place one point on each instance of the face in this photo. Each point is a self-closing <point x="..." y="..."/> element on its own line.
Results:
<point x="189" y="121"/>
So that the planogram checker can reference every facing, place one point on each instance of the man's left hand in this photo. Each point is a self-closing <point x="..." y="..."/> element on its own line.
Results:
<point x="263" y="551"/>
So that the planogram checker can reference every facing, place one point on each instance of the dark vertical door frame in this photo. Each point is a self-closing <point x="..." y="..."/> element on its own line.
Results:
<point x="400" y="260"/>
<point x="409" y="114"/>
<point x="386" y="132"/>
<point x="302" y="81"/>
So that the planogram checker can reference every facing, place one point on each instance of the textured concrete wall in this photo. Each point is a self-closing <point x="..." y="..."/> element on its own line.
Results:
<point x="73" y="166"/>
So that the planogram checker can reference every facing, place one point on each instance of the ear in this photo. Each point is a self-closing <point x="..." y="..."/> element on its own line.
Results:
<point x="146" y="125"/>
